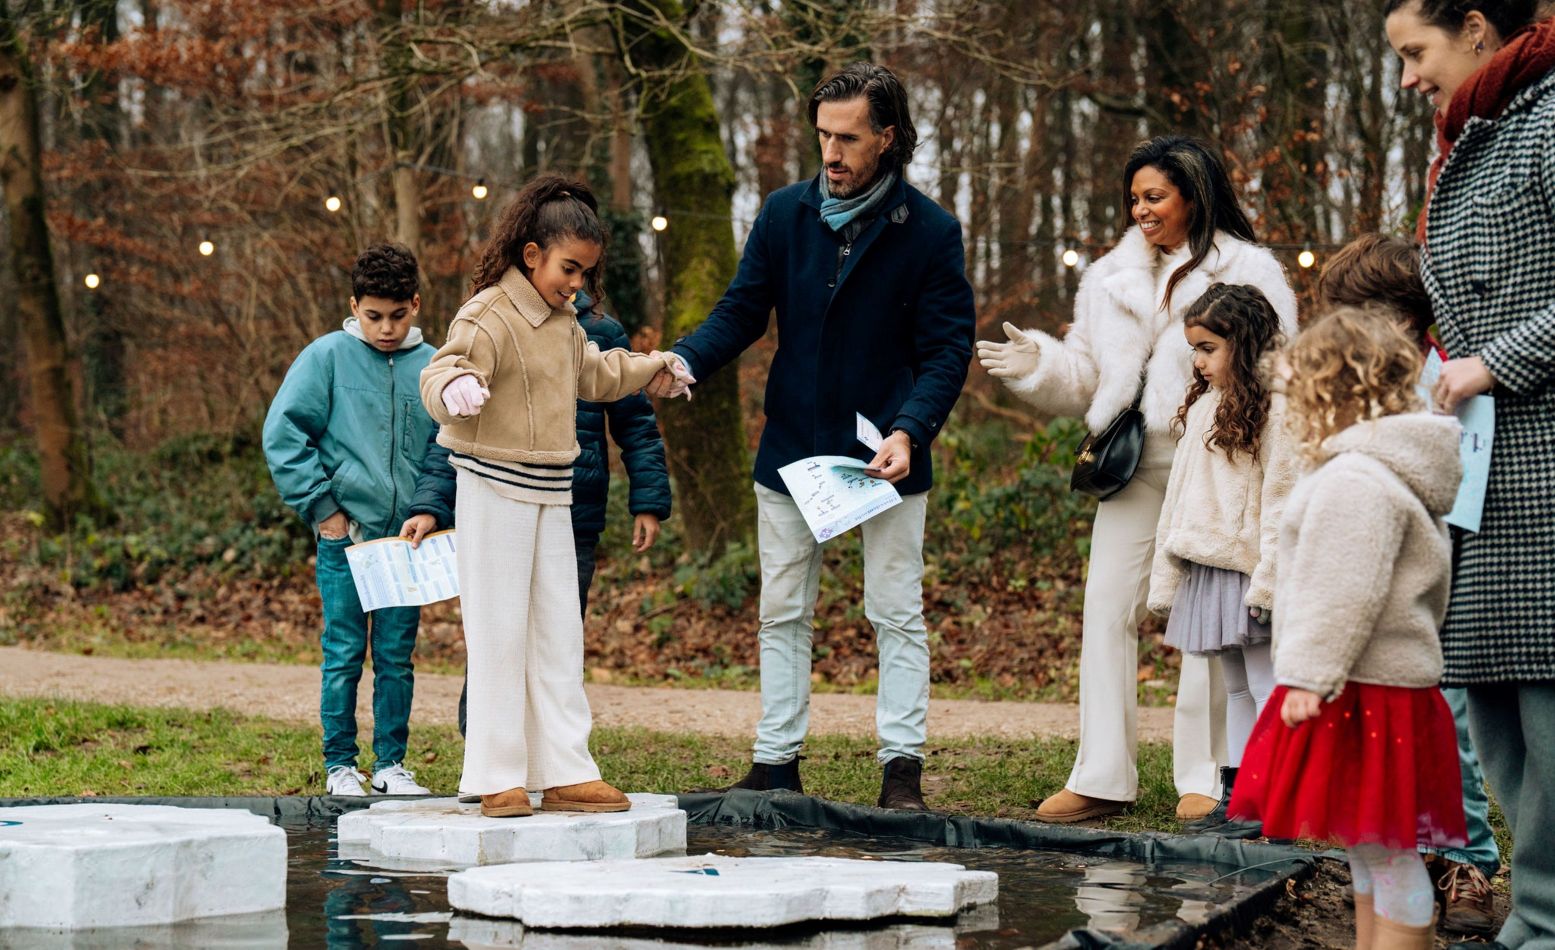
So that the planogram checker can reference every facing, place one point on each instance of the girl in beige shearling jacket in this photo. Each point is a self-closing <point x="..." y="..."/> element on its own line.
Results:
<point x="1215" y="541"/>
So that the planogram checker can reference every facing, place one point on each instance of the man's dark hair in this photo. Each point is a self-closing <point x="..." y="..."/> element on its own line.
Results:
<point x="887" y="105"/>
<point x="388" y="271"/>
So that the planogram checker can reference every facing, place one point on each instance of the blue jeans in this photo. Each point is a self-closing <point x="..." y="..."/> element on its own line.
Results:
<point x="1481" y="850"/>
<point x="347" y="632"/>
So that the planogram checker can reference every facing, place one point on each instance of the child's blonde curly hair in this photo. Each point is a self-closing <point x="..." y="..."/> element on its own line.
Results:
<point x="1349" y="365"/>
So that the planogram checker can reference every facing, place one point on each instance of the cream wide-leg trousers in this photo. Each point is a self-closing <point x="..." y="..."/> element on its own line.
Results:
<point x="529" y="719"/>
<point x="1122" y="546"/>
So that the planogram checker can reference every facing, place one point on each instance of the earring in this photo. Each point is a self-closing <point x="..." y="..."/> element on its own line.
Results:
<point x="1479" y="47"/>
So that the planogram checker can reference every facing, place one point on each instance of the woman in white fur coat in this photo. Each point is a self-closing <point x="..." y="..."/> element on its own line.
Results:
<point x="1127" y="333"/>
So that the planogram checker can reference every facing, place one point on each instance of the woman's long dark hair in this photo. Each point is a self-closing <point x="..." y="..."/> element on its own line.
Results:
<point x="1244" y="317"/>
<point x="1507" y="16"/>
<point x="548" y="209"/>
<point x="1194" y="169"/>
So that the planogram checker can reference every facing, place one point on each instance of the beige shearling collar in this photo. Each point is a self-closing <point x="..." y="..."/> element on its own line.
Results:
<point x="525" y="298"/>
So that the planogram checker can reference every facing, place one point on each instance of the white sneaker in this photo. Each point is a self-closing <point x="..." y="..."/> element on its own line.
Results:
<point x="397" y="780"/>
<point x="345" y="780"/>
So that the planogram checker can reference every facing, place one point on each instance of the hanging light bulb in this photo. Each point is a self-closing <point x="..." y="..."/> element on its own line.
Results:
<point x="207" y="248"/>
<point x="1306" y="258"/>
<point x="659" y="222"/>
<point x="332" y="203"/>
<point x="480" y="191"/>
<point x="1071" y="257"/>
<point x="91" y="281"/>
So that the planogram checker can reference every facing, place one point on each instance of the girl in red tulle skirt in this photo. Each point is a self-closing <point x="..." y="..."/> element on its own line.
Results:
<point x="1356" y="745"/>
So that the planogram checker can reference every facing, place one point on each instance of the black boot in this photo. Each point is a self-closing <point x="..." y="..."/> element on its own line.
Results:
<point x="900" y="784"/>
<point x="1217" y="817"/>
<point x="770" y="778"/>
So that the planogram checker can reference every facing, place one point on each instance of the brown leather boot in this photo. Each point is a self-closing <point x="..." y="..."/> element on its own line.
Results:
<point x="585" y="796"/>
<point x="1390" y="935"/>
<point x="1365" y="921"/>
<point x="513" y="803"/>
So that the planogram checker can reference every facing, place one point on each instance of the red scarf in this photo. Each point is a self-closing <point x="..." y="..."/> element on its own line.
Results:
<point x="1527" y="56"/>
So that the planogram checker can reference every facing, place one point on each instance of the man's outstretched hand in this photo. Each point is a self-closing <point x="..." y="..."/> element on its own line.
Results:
<point x="894" y="460"/>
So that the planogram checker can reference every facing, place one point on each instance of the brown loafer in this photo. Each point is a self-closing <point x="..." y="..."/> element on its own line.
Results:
<point x="587" y="796"/>
<point x="1068" y="807"/>
<point x="513" y="803"/>
<point x="1193" y="806"/>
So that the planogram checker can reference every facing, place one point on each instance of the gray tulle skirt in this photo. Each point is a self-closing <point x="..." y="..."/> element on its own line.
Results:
<point x="1208" y="615"/>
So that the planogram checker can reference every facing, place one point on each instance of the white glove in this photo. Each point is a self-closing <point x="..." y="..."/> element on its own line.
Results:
<point x="681" y="379"/>
<point x="465" y="395"/>
<point x="1013" y="360"/>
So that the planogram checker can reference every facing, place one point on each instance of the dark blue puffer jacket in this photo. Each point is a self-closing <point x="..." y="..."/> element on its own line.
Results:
<point x="635" y="430"/>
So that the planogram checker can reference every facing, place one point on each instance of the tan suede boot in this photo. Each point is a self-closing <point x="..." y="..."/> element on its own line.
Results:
<point x="1390" y="935"/>
<point x="513" y="803"/>
<point x="1365" y="921"/>
<point x="586" y="796"/>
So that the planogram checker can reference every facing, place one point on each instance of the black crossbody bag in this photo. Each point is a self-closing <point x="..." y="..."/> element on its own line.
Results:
<point x="1105" y="461"/>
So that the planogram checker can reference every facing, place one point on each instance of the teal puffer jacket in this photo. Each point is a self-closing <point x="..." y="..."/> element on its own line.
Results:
<point x="347" y="432"/>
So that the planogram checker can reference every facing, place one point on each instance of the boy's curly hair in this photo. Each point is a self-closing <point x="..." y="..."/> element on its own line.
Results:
<point x="548" y="209"/>
<point x="386" y="270"/>
<point x="1244" y="317"/>
<point x="1378" y="269"/>
<point x="1349" y="365"/>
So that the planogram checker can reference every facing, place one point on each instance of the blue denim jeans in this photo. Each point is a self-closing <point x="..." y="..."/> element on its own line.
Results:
<point x="1481" y="850"/>
<point x="347" y="633"/>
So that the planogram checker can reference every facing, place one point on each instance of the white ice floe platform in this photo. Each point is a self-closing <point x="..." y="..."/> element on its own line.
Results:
<point x="71" y="867"/>
<point x="442" y="831"/>
<point x="716" y="891"/>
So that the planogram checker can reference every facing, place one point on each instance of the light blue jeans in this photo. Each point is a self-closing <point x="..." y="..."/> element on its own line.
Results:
<point x="893" y="602"/>
<point x="347" y="633"/>
<point x="1481" y="850"/>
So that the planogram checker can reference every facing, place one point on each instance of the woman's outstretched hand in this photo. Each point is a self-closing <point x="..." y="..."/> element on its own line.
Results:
<point x="1013" y="360"/>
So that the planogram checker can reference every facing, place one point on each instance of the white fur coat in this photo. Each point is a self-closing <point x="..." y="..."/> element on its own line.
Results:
<point x="1094" y="371"/>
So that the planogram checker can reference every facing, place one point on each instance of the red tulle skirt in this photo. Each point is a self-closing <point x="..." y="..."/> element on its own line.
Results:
<point x="1379" y="765"/>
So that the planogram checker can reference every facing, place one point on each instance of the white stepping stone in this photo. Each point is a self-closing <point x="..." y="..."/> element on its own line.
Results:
<point x="442" y="831"/>
<point x="72" y="867"/>
<point x="718" y="891"/>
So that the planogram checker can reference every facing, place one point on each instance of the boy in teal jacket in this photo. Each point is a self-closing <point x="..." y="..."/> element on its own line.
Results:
<point x="345" y="439"/>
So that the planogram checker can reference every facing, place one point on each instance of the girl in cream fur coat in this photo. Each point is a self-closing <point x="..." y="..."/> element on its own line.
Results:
<point x="1127" y="333"/>
<point x="1219" y="529"/>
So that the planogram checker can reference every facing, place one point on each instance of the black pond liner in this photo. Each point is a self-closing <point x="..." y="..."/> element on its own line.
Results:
<point x="776" y="811"/>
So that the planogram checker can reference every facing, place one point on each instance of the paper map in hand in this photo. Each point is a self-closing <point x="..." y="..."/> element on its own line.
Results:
<point x="390" y="573"/>
<point x="834" y="494"/>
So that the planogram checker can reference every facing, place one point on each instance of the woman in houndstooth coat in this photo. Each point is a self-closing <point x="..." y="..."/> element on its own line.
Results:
<point x="1489" y="266"/>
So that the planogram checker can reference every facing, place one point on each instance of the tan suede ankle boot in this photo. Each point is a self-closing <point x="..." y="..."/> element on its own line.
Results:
<point x="585" y="796"/>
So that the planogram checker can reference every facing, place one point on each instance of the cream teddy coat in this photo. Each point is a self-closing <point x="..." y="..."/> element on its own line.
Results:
<point x="1095" y="370"/>
<point x="1365" y="560"/>
<point x="1223" y="512"/>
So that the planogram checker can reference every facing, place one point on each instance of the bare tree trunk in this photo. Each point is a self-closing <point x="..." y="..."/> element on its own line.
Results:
<point x="704" y="439"/>
<point x="68" y="490"/>
<point x="396" y="63"/>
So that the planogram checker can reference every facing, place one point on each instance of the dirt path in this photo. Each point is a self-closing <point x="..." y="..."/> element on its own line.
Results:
<point x="290" y="693"/>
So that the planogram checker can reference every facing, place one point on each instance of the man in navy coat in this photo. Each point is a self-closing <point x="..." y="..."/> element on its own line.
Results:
<point x="875" y="316"/>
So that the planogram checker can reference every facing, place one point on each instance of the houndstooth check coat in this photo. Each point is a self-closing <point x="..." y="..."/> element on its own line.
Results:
<point x="1489" y="266"/>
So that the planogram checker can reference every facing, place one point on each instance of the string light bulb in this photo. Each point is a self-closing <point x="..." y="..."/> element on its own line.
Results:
<point x="207" y="249"/>
<point x="480" y="191"/>
<point x="659" y="222"/>
<point x="1306" y="258"/>
<point x="332" y="203"/>
<point x="91" y="281"/>
<point x="1071" y="257"/>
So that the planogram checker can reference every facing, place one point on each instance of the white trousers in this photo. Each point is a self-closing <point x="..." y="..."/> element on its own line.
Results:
<point x="529" y="719"/>
<point x="1122" y="546"/>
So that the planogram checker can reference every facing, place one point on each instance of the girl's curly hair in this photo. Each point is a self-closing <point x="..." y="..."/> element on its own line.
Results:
<point x="1350" y="365"/>
<point x="548" y="209"/>
<point x="1244" y="317"/>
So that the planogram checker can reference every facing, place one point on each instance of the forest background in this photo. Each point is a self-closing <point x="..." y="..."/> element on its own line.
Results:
<point x="188" y="181"/>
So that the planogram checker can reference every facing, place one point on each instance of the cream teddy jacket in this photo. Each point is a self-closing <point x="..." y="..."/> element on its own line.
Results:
<point x="1095" y="370"/>
<point x="1223" y="512"/>
<point x="537" y="362"/>
<point x="1365" y="558"/>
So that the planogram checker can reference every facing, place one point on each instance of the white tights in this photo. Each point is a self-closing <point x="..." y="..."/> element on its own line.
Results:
<point x="1249" y="677"/>
<point x="1397" y="881"/>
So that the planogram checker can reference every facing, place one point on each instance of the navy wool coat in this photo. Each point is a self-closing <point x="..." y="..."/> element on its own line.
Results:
<point x="1489" y="267"/>
<point x="632" y="424"/>
<point x="883" y="326"/>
